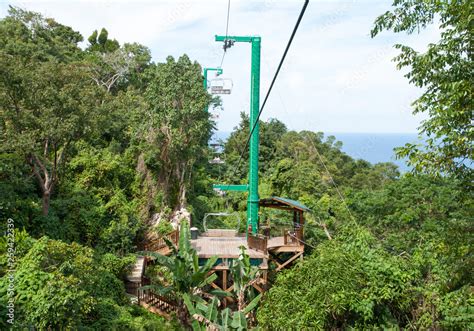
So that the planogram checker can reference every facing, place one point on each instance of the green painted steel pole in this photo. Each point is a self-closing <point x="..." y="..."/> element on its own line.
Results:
<point x="253" y="198"/>
<point x="205" y="78"/>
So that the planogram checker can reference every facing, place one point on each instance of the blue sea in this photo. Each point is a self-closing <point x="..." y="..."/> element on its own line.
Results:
<point x="375" y="147"/>
<point x="372" y="147"/>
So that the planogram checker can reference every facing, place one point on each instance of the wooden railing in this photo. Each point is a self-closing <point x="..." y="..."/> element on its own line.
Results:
<point x="160" y="243"/>
<point x="132" y="287"/>
<point x="259" y="243"/>
<point x="166" y="303"/>
<point x="293" y="237"/>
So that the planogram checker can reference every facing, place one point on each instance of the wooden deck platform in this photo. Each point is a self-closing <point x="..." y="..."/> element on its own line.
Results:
<point x="223" y="247"/>
<point x="226" y="246"/>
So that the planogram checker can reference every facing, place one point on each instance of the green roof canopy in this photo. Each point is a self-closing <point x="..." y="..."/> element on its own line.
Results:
<point x="283" y="203"/>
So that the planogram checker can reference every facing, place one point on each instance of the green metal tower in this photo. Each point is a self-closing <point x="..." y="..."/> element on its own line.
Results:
<point x="252" y="187"/>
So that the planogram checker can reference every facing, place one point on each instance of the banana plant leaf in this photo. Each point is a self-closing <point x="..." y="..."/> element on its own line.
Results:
<point x="252" y="304"/>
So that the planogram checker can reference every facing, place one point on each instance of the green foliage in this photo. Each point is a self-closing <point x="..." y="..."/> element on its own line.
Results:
<point x="187" y="275"/>
<point x="163" y="228"/>
<point x="207" y="314"/>
<point x="46" y="95"/>
<point x="101" y="42"/>
<point x="116" y="67"/>
<point x="344" y="283"/>
<point x="25" y="34"/>
<point x="405" y="272"/>
<point x="18" y="198"/>
<point x="63" y="286"/>
<point x="178" y="124"/>
<point x="244" y="276"/>
<point x="302" y="165"/>
<point x="414" y="207"/>
<point x="444" y="71"/>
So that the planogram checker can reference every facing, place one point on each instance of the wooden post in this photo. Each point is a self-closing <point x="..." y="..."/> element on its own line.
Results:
<point x="224" y="279"/>
<point x="295" y="219"/>
<point x="224" y="284"/>
<point x="301" y="223"/>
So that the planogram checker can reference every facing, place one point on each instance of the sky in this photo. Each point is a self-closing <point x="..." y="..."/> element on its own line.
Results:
<point x="335" y="77"/>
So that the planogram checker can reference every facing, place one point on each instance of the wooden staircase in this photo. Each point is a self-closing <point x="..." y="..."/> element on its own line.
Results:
<point x="163" y="305"/>
<point x="136" y="274"/>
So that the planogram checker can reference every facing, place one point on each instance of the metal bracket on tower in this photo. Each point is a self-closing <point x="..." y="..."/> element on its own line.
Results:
<point x="205" y="70"/>
<point x="224" y="187"/>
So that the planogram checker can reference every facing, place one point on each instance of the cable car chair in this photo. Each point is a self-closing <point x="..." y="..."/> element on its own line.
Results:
<point x="221" y="86"/>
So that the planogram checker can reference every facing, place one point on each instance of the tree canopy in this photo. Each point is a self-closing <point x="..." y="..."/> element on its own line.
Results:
<point x="444" y="72"/>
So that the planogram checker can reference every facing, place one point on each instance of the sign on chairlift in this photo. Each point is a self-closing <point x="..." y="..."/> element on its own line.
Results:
<point x="221" y="86"/>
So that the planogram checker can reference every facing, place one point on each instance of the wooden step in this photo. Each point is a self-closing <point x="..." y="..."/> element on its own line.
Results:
<point x="135" y="275"/>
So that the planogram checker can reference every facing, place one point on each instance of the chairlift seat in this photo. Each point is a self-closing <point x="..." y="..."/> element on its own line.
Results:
<point x="221" y="86"/>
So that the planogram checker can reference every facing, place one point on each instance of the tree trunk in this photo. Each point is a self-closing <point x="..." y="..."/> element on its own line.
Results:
<point x="45" y="180"/>
<point x="46" y="196"/>
<point x="180" y="176"/>
<point x="182" y="197"/>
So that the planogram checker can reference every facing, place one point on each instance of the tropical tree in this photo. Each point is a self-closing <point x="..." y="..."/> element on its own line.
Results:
<point x="208" y="314"/>
<point x="114" y="66"/>
<point x="46" y="96"/>
<point x="177" y="128"/>
<point x="348" y="282"/>
<point x="245" y="276"/>
<point x="444" y="71"/>
<point x="69" y="286"/>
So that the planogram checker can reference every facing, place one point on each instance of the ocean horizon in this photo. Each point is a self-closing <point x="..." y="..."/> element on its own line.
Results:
<point x="372" y="147"/>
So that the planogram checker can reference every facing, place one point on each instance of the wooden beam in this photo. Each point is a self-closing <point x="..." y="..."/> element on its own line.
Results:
<point x="275" y="259"/>
<point x="215" y="286"/>
<point x="224" y="285"/>
<point x="258" y="288"/>
<point x="288" y="249"/>
<point x="277" y="207"/>
<point x="230" y="299"/>
<point x="294" y="257"/>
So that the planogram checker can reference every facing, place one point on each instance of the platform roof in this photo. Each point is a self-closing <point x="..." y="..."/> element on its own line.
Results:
<point x="283" y="203"/>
